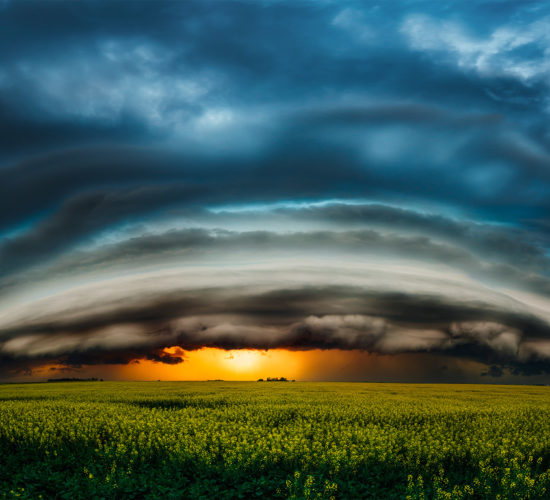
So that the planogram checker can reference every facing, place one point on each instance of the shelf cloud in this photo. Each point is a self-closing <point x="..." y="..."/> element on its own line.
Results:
<point x="275" y="175"/>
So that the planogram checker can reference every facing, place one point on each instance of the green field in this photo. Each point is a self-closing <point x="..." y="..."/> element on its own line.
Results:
<point x="273" y="440"/>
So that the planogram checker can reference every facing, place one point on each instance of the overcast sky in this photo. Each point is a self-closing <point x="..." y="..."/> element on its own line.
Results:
<point x="305" y="174"/>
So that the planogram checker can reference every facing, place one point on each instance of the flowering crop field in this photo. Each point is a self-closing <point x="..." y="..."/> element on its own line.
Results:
<point x="273" y="440"/>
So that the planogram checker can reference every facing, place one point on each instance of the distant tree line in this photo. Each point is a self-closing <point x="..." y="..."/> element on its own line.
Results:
<point x="92" y="379"/>
<point x="275" y="379"/>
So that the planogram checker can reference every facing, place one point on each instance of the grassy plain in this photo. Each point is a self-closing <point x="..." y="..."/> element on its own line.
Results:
<point x="273" y="440"/>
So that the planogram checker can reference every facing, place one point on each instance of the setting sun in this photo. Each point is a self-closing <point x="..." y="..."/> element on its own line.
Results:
<point x="243" y="361"/>
<point x="210" y="363"/>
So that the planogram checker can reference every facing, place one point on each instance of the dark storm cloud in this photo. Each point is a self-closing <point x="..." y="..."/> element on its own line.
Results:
<point x="403" y="113"/>
<point x="200" y="245"/>
<point x="46" y="181"/>
<point x="18" y="133"/>
<point x="296" y="165"/>
<point x="303" y="319"/>
<point x="82" y="217"/>
<point x="512" y="245"/>
<point x="15" y="365"/>
<point x="116" y="116"/>
<point x="284" y="52"/>
<point x="103" y="188"/>
<point x="493" y="371"/>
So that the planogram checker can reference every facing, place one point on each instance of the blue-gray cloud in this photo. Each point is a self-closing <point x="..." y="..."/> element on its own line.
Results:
<point x="137" y="135"/>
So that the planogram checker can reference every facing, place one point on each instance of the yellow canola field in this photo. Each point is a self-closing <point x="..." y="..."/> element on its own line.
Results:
<point x="273" y="440"/>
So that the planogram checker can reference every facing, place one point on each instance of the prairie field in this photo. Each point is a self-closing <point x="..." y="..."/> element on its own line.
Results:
<point x="273" y="440"/>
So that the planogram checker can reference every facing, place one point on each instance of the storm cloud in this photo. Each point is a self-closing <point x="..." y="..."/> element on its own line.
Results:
<point x="260" y="175"/>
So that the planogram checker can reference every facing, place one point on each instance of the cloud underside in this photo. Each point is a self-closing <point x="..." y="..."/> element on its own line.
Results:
<point x="137" y="319"/>
<point x="349" y="276"/>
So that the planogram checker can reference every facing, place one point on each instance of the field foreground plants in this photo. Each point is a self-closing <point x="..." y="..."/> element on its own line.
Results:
<point x="280" y="440"/>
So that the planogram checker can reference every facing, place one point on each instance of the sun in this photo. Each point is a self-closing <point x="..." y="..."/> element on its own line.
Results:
<point x="242" y="360"/>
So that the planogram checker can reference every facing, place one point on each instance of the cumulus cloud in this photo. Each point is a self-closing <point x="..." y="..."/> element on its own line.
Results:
<point x="497" y="337"/>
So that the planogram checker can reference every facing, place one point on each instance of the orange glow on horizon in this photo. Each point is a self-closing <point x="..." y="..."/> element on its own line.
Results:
<point x="250" y="364"/>
<point x="210" y="363"/>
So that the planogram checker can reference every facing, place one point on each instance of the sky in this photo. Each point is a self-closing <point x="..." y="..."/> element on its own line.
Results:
<point x="316" y="189"/>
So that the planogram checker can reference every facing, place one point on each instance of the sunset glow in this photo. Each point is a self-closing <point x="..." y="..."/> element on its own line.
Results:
<point x="248" y="364"/>
<point x="205" y="364"/>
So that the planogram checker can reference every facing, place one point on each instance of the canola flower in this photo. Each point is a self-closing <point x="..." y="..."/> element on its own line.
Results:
<point x="250" y="440"/>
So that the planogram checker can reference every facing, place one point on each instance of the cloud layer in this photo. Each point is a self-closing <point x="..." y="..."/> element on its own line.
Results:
<point x="295" y="175"/>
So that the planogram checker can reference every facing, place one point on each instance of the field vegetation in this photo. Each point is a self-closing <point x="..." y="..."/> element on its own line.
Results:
<point x="251" y="440"/>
